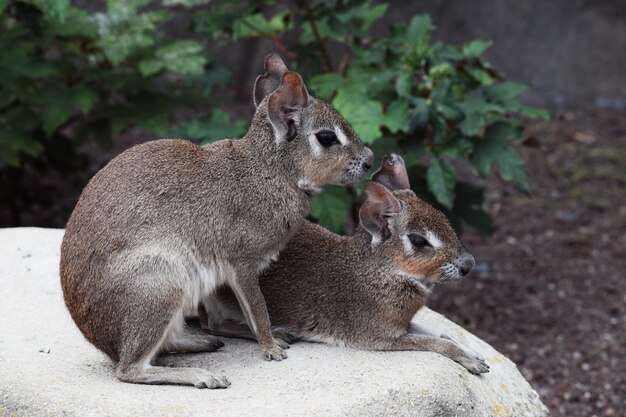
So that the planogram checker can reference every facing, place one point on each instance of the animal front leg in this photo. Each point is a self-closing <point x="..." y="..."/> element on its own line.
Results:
<point x="252" y="303"/>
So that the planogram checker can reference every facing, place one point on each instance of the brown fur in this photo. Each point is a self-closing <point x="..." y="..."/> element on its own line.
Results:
<point x="166" y="222"/>
<point x="349" y="290"/>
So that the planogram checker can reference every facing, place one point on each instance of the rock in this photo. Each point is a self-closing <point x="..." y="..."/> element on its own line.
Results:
<point x="48" y="368"/>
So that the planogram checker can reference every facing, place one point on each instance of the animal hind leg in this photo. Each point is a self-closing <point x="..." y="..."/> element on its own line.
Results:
<point x="417" y="329"/>
<point x="444" y="347"/>
<point x="192" y="342"/>
<point x="159" y="375"/>
<point x="154" y="322"/>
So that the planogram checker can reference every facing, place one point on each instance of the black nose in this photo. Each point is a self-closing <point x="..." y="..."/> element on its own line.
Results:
<point x="466" y="266"/>
<point x="366" y="166"/>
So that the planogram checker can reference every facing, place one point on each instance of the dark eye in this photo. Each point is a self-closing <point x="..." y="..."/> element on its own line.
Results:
<point x="326" y="138"/>
<point x="418" y="241"/>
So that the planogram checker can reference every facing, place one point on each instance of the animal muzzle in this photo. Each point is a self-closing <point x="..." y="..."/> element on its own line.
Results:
<point x="358" y="166"/>
<point x="459" y="268"/>
<point x="465" y="264"/>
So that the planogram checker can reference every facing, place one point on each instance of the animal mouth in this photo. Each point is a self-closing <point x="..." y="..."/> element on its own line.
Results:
<point x="355" y="171"/>
<point x="448" y="274"/>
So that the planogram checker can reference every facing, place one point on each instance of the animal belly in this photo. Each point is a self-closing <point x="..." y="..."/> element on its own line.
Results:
<point x="204" y="280"/>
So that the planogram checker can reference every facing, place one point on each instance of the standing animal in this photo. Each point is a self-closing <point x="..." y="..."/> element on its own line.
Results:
<point x="362" y="291"/>
<point x="167" y="222"/>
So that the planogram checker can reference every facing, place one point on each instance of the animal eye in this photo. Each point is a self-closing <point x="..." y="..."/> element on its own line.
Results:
<point x="418" y="241"/>
<point x="326" y="138"/>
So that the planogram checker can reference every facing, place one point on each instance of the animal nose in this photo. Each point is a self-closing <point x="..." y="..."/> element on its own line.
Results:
<point x="466" y="265"/>
<point x="368" y="158"/>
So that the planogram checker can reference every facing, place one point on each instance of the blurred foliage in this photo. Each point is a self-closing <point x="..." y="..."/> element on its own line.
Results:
<point x="69" y="77"/>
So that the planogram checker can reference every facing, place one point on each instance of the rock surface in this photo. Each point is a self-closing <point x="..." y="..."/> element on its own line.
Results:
<point x="47" y="367"/>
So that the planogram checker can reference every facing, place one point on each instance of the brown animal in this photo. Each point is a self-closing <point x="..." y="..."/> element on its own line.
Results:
<point x="361" y="291"/>
<point x="167" y="222"/>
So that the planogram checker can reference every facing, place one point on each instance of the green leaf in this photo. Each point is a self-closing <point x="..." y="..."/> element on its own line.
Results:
<point x="496" y="147"/>
<point x="420" y="115"/>
<point x="446" y="52"/>
<point x="331" y="208"/>
<point x="449" y="111"/>
<point x="183" y="57"/>
<point x="180" y="57"/>
<point x="459" y="147"/>
<point x="397" y="116"/>
<point x="476" y="47"/>
<point x="204" y="83"/>
<point x="417" y="33"/>
<point x="481" y="76"/>
<point x="124" y="32"/>
<point x="511" y="168"/>
<point x="148" y="110"/>
<point x="13" y="143"/>
<point x="504" y="91"/>
<point x="82" y="97"/>
<point x="59" y="102"/>
<point x="403" y="84"/>
<point x="488" y="148"/>
<point x="308" y="36"/>
<point x="184" y="3"/>
<point x="373" y="14"/>
<point x="441" y="72"/>
<point x="53" y="117"/>
<point x="441" y="180"/>
<point x="257" y="25"/>
<point x="380" y="83"/>
<point x="325" y="85"/>
<point x="364" y="114"/>
<point x="149" y="67"/>
<point x="528" y="111"/>
<point x="505" y="95"/>
<point x="216" y="127"/>
<point x="440" y="128"/>
<point x="475" y="108"/>
<point x="58" y="9"/>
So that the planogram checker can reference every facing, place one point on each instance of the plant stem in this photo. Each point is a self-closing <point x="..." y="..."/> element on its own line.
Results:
<point x="322" y="44"/>
<point x="347" y="54"/>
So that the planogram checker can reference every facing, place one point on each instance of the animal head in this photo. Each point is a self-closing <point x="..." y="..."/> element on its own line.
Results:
<point x="322" y="144"/>
<point x="414" y="238"/>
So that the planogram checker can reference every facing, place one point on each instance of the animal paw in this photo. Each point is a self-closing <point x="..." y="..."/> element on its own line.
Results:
<point x="473" y="364"/>
<point x="281" y="343"/>
<point x="208" y="380"/>
<point x="274" y="353"/>
<point x="214" y="344"/>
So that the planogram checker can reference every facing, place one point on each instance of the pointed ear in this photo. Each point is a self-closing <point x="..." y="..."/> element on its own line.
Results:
<point x="392" y="173"/>
<point x="286" y="103"/>
<point x="265" y="84"/>
<point x="377" y="210"/>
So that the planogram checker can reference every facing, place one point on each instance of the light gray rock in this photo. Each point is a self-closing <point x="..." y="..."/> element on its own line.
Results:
<point x="48" y="368"/>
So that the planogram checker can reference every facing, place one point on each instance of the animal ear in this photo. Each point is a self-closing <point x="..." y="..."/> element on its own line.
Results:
<point x="285" y="105"/>
<point x="392" y="173"/>
<point x="377" y="210"/>
<point x="265" y="84"/>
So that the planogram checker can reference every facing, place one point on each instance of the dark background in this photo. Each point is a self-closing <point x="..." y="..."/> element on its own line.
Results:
<point x="569" y="52"/>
